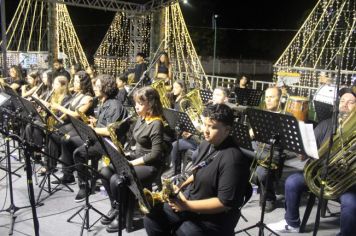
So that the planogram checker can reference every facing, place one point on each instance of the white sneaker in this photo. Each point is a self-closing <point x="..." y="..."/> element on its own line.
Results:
<point x="283" y="227"/>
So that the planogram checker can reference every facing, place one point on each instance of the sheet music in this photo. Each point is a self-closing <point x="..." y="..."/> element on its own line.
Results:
<point x="308" y="138"/>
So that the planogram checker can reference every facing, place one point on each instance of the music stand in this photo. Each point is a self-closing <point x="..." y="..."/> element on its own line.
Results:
<point x="242" y="134"/>
<point x="89" y="137"/>
<point x="47" y="178"/>
<point x="323" y="110"/>
<point x="248" y="97"/>
<point x="28" y="151"/>
<point x="205" y="95"/>
<point x="273" y="128"/>
<point x="128" y="178"/>
<point x="179" y="121"/>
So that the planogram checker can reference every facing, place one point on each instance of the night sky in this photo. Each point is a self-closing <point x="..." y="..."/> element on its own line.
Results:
<point x="254" y="29"/>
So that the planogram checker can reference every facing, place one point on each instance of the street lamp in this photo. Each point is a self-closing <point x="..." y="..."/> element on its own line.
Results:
<point x="214" y="18"/>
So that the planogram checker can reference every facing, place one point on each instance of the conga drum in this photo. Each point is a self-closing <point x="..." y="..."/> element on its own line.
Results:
<point x="298" y="106"/>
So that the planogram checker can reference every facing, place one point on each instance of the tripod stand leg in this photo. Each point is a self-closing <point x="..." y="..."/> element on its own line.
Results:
<point x="76" y="213"/>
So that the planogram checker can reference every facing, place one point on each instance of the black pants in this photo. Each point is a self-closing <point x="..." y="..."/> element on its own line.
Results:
<point x="82" y="155"/>
<point x="163" y="221"/>
<point x="261" y="179"/>
<point x="38" y="137"/>
<point x="110" y="179"/>
<point x="67" y="148"/>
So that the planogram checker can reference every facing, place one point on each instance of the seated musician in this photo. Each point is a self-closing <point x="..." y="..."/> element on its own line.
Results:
<point x="148" y="157"/>
<point x="295" y="184"/>
<point x="59" y="95"/>
<point x="15" y="81"/>
<point x="188" y="140"/>
<point x="207" y="207"/>
<point x="33" y="81"/>
<point x="121" y="82"/>
<point x="140" y="67"/>
<point x="110" y="111"/>
<point x="44" y="91"/>
<point x="81" y="102"/>
<point x="272" y="102"/>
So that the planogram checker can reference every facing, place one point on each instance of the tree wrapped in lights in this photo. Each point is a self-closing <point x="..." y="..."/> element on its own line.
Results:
<point x="328" y="31"/>
<point x="28" y="32"/>
<point x="127" y="35"/>
<point x="179" y="45"/>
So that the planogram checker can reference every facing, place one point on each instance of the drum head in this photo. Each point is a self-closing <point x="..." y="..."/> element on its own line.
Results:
<point x="325" y="94"/>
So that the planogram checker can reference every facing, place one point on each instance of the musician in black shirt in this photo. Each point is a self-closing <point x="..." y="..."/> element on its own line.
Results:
<point x="216" y="189"/>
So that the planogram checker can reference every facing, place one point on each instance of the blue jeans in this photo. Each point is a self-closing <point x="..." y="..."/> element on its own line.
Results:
<point x="294" y="187"/>
<point x="184" y="145"/>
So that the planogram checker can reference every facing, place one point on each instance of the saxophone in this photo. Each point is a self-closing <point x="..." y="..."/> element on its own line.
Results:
<point x="153" y="198"/>
<point x="112" y="132"/>
<point x="82" y="116"/>
<point x="342" y="163"/>
<point x="162" y="91"/>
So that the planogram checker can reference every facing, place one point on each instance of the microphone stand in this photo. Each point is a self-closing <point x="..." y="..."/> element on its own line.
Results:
<point x="331" y="142"/>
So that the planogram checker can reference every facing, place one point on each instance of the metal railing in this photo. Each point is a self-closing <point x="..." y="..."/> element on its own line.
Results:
<point x="230" y="82"/>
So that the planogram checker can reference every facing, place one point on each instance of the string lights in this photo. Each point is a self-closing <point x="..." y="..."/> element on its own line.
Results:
<point x="328" y="31"/>
<point x="28" y="33"/>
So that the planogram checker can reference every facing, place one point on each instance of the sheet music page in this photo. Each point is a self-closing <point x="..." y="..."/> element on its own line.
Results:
<point x="308" y="138"/>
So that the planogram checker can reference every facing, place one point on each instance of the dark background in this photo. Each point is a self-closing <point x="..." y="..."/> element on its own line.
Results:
<point x="251" y="29"/>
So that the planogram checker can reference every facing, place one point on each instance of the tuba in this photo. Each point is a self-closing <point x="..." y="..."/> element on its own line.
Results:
<point x="342" y="163"/>
<point x="162" y="91"/>
<point x="195" y="108"/>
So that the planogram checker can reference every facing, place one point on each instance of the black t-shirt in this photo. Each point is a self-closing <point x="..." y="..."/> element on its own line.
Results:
<point x="122" y="96"/>
<point x="225" y="177"/>
<point x="139" y="69"/>
<point x="149" y="141"/>
<point x="110" y="112"/>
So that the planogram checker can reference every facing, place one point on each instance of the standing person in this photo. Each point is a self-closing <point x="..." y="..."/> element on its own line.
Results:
<point x="148" y="157"/>
<point x="164" y="69"/>
<point x="207" y="207"/>
<point x="58" y="69"/>
<point x="140" y="67"/>
<point x="295" y="184"/>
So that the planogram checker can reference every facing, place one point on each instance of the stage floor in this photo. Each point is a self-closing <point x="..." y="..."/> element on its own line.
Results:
<point x="60" y="206"/>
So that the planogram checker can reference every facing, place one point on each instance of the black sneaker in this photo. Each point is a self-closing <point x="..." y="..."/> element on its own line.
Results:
<point x="69" y="180"/>
<point x="114" y="226"/>
<point x="110" y="216"/>
<point x="82" y="194"/>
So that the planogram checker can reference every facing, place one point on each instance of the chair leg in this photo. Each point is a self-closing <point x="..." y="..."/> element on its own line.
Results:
<point x="308" y="209"/>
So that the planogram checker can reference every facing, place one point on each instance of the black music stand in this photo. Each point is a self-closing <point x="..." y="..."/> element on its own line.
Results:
<point x="242" y="134"/>
<point x="206" y="95"/>
<point x="274" y="129"/>
<point x="248" y="97"/>
<point x="47" y="177"/>
<point x="89" y="137"/>
<point x="127" y="178"/>
<point x="323" y="110"/>
<point x="179" y="121"/>
<point x="28" y="152"/>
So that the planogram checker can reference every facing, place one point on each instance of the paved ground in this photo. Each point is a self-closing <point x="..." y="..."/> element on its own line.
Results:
<point x="59" y="207"/>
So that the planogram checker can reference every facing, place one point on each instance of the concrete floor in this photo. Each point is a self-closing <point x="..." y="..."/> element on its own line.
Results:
<point x="60" y="206"/>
